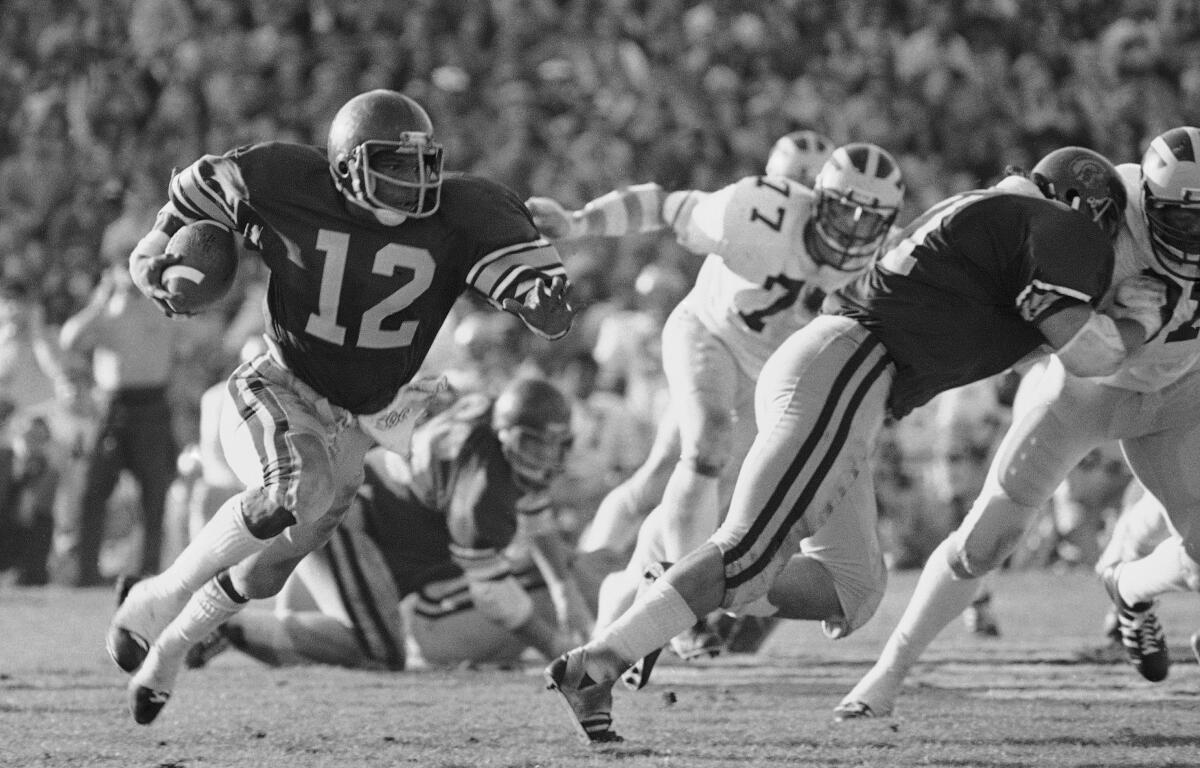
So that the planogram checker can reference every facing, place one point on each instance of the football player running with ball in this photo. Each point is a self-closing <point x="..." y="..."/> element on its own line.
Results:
<point x="368" y="247"/>
<point x="976" y="283"/>
<point x="1148" y="403"/>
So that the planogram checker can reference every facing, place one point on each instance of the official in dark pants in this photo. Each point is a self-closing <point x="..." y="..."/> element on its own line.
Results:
<point x="135" y="435"/>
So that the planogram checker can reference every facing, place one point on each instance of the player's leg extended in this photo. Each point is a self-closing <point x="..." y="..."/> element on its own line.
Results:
<point x="839" y="576"/>
<point x="1163" y="459"/>
<point x="259" y="423"/>
<point x="705" y="383"/>
<point x="820" y="403"/>
<point x="1062" y="421"/>
<point x="619" y="588"/>
<point x="615" y="525"/>
<point x="353" y="619"/>
<point x="310" y="464"/>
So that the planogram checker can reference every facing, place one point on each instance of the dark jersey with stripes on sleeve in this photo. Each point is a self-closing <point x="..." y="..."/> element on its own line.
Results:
<point x="454" y="502"/>
<point x="352" y="304"/>
<point x="958" y="293"/>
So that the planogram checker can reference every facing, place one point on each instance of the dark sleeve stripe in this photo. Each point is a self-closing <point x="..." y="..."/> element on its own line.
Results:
<point x="494" y="274"/>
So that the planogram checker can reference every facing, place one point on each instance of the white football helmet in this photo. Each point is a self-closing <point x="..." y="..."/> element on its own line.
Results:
<point x="799" y="156"/>
<point x="859" y="191"/>
<point x="383" y="156"/>
<point x="1171" y="200"/>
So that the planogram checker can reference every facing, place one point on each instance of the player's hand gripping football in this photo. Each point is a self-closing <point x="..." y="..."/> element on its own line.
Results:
<point x="546" y="310"/>
<point x="146" y="271"/>
<point x="1145" y="298"/>
<point x="554" y="221"/>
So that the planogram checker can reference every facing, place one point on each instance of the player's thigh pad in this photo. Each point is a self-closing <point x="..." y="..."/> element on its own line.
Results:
<point x="819" y="404"/>
<point x="279" y="435"/>
<point x="1164" y="452"/>
<point x="848" y="547"/>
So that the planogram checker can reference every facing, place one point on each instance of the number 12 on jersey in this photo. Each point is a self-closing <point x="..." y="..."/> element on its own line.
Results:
<point x="388" y="260"/>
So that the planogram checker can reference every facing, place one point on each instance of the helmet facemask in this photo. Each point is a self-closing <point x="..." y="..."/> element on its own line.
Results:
<point x="852" y="229"/>
<point x="1170" y="174"/>
<point x="858" y="195"/>
<point x="401" y="177"/>
<point x="1175" y="234"/>
<point x="537" y="456"/>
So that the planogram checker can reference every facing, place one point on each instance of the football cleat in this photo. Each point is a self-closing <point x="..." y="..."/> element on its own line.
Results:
<point x="587" y="701"/>
<point x="637" y="676"/>
<point x="979" y="618"/>
<point x="1141" y="634"/>
<point x="137" y="622"/>
<point x="855" y="710"/>
<point x="150" y="688"/>
<point x="145" y="703"/>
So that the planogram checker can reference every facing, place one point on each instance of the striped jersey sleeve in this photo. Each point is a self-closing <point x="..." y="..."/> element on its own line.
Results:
<point x="511" y="271"/>
<point x="211" y="188"/>
<point x="626" y="211"/>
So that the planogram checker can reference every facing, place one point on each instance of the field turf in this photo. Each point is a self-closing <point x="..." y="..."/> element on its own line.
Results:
<point x="1045" y="693"/>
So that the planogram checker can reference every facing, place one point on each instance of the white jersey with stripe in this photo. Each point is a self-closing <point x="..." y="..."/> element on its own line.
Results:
<point x="759" y="283"/>
<point x="1175" y="350"/>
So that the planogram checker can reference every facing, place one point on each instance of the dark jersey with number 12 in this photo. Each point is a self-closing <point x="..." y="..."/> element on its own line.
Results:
<point x="354" y="305"/>
<point x="957" y="296"/>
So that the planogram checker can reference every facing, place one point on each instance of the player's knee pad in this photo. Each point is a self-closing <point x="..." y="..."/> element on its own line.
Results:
<point x="989" y="534"/>
<point x="264" y="515"/>
<point x="269" y="511"/>
<point x="708" y="460"/>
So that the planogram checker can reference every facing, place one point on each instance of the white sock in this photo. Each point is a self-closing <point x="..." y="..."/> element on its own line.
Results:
<point x="210" y="607"/>
<point x="937" y="600"/>
<point x="207" y="609"/>
<point x="659" y="614"/>
<point x="223" y="542"/>
<point x="1166" y="569"/>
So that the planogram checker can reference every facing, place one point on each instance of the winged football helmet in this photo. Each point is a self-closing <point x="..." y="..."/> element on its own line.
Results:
<point x="859" y="191"/>
<point x="384" y="158"/>
<point x="1086" y="181"/>
<point x="1171" y="200"/>
<point x="799" y="156"/>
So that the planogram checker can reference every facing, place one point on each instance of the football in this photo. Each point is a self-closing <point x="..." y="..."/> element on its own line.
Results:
<point x="207" y="266"/>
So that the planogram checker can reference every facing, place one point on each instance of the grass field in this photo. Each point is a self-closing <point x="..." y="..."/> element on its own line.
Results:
<point x="1040" y="695"/>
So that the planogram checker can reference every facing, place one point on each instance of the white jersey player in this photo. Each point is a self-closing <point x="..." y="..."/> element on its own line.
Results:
<point x="772" y="257"/>
<point x="1149" y="404"/>
<point x="739" y="321"/>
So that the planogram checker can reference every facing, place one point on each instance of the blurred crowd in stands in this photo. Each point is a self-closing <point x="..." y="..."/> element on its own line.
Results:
<point x="99" y="101"/>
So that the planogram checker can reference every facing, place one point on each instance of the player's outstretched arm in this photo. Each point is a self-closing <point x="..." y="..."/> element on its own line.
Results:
<point x="629" y="210"/>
